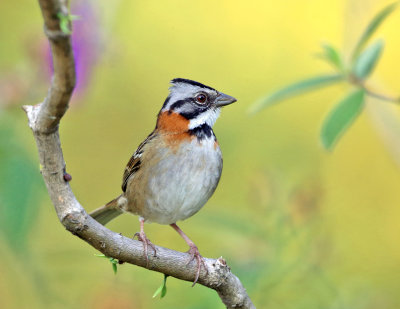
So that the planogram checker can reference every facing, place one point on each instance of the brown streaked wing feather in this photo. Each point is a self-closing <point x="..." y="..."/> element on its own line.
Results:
<point x="134" y="162"/>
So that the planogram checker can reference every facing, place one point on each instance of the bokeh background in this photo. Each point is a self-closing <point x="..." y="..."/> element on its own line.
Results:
<point x="301" y="227"/>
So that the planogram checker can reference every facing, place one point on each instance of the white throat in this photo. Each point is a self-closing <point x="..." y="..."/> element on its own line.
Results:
<point x="209" y="117"/>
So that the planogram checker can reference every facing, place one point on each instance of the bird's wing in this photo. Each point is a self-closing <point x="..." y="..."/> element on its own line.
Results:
<point x="134" y="163"/>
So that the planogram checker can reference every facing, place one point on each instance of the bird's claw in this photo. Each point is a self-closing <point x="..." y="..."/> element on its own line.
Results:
<point x="195" y="254"/>
<point x="146" y="243"/>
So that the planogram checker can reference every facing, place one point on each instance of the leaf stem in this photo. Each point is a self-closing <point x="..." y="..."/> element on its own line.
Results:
<point x="381" y="96"/>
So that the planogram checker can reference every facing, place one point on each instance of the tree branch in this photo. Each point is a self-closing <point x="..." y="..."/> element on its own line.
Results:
<point x="44" y="119"/>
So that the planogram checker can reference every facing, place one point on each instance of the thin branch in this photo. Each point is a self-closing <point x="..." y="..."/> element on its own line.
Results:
<point x="63" y="81"/>
<point x="44" y="119"/>
<point x="352" y="79"/>
<point x="381" y="96"/>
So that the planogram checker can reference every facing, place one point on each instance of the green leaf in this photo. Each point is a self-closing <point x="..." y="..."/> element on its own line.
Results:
<point x="294" y="89"/>
<point x="162" y="289"/>
<point x="64" y="26"/>
<point x="65" y="20"/>
<point x="372" y="26"/>
<point x="158" y="291"/>
<point x="332" y="55"/>
<point x="114" y="267"/>
<point x="114" y="262"/>
<point x="366" y="62"/>
<point x="341" y="117"/>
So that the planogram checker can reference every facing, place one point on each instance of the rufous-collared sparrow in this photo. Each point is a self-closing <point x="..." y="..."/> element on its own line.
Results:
<point x="176" y="169"/>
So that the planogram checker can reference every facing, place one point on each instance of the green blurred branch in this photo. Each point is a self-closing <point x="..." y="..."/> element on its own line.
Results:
<point x="44" y="121"/>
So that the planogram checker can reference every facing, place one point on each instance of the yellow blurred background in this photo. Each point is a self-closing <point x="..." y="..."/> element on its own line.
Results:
<point x="301" y="227"/>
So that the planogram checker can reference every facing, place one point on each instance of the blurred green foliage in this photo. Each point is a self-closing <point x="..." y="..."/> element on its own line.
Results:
<point x="296" y="88"/>
<point x="372" y="27"/>
<point x="361" y="66"/>
<point x="341" y="117"/>
<point x="19" y="190"/>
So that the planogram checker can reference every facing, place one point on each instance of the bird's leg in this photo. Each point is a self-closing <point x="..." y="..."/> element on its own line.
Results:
<point x="193" y="251"/>
<point x="146" y="242"/>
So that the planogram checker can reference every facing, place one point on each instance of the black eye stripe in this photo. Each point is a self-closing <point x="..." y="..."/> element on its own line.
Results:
<point x="189" y="114"/>
<point x="180" y="103"/>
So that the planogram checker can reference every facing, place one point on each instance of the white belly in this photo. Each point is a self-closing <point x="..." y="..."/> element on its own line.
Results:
<point x="184" y="182"/>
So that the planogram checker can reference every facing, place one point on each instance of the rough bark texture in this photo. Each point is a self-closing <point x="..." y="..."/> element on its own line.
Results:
<point x="44" y="119"/>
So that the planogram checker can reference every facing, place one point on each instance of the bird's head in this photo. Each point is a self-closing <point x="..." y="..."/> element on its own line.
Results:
<point x="194" y="103"/>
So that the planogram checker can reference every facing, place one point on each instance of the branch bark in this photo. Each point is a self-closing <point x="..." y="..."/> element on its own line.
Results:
<point x="44" y="119"/>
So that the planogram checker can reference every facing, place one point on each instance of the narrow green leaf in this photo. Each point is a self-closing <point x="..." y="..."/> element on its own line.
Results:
<point x="341" y="117"/>
<point x="372" y="26"/>
<point x="158" y="291"/>
<point x="64" y="22"/>
<point x="114" y="262"/>
<point x="64" y="26"/>
<point x="366" y="62"/>
<point x="332" y="55"/>
<point x="162" y="289"/>
<point x="294" y="89"/>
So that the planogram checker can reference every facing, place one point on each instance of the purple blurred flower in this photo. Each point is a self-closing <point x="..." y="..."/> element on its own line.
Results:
<point x="16" y="83"/>
<point x="85" y="45"/>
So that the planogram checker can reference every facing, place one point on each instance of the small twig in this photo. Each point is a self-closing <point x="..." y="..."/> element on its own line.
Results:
<point x="381" y="96"/>
<point x="359" y="83"/>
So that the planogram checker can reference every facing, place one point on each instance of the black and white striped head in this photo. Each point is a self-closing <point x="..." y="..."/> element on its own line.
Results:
<point x="198" y="103"/>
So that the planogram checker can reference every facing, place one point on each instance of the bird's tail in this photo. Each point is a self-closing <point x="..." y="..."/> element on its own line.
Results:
<point x="109" y="211"/>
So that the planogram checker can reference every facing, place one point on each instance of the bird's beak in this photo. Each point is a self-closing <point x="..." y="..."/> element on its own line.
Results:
<point x="224" y="99"/>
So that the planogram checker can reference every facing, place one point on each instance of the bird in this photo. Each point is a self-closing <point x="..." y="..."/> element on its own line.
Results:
<point x="176" y="169"/>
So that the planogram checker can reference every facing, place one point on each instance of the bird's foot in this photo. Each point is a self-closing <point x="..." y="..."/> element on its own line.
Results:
<point x="195" y="254"/>
<point x="146" y="243"/>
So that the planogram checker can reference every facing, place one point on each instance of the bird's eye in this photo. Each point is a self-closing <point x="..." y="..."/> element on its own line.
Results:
<point x="201" y="98"/>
